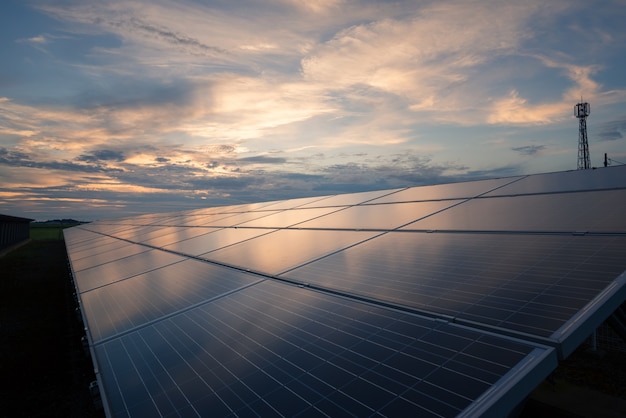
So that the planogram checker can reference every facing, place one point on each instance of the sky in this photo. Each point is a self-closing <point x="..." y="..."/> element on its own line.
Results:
<point x="114" y="108"/>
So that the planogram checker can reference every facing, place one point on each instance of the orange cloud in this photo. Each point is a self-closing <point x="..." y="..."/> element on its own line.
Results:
<point x="514" y="110"/>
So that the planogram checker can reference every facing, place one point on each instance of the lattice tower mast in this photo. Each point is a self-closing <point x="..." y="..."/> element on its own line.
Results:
<point x="581" y="111"/>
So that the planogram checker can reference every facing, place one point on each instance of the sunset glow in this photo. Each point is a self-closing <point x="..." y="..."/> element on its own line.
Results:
<point x="110" y="109"/>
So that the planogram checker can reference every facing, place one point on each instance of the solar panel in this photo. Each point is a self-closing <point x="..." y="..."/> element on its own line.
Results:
<point x="245" y="354"/>
<point x="227" y="220"/>
<point x="530" y="284"/>
<point x="465" y="190"/>
<point x="163" y="236"/>
<point x="77" y="239"/>
<point x="566" y="181"/>
<point x="598" y="211"/>
<point x="348" y="199"/>
<point x="107" y="253"/>
<point x="447" y="300"/>
<point x="214" y="239"/>
<point x="286" y="218"/>
<point x="293" y="203"/>
<point x="272" y="253"/>
<point x="120" y="269"/>
<point x="141" y="298"/>
<point x="383" y="217"/>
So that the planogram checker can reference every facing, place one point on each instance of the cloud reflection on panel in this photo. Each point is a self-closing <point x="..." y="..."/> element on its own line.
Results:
<point x="245" y="354"/>
<point x="107" y="253"/>
<point x="464" y="275"/>
<point x="287" y="218"/>
<point x="462" y="190"/>
<point x="604" y="213"/>
<point x="150" y="296"/>
<point x="125" y="265"/>
<point x="153" y="235"/>
<point x="378" y="216"/>
<point x="214" y="240"/>
<point x="278" y="251"/>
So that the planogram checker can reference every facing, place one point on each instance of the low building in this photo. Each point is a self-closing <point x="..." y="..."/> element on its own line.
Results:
<point x="13" y="230"/>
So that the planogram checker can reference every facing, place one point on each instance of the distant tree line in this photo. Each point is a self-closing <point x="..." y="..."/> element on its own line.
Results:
<point x="59" y="222"/>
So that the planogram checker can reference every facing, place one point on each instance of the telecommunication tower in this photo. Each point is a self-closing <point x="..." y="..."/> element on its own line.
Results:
<point x="581" y="111"/>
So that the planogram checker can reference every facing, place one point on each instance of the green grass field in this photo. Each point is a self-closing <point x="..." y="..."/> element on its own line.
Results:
<point x="47" y="232"/>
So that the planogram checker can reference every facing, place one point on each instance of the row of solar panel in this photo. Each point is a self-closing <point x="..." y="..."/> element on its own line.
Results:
<point x="598" y="212"/>
<point x="196" y="312"/>
<point x="312" y="354"/>
<point x="527" y="283"/>
<point x="562" y="182"/>
<point x="193" y="338"/>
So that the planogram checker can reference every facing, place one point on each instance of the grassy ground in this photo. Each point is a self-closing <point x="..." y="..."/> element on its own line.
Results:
<point x="47" y="232"/>
<point x="43" y="371"/>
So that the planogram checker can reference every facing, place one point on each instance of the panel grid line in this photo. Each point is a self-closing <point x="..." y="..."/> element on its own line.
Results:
<point x="175" y="313"/>
<point x="437" y="300"/>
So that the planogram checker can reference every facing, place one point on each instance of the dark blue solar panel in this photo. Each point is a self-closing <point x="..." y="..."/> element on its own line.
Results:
<point x="465" y="190"/>
<point x="566" y="181"/>
<point x="123" y="268"/>
<point x="378" y="216"/>
<point x="348" y="199"/>
<point x="170" y="235"/>
<point x="311" y="354"/>
<point x="286" y="218"/>
<point x="442" y="316"/>
<point x="155" y="294"/>
<point x="214" y="239"/>
<point x="525" y="283"/>
<point x="274" y="252"/>
<point x="107" y="253"/>
<point x="599" y="211"/>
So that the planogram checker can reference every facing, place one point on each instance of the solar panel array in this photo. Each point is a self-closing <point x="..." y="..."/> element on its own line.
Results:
<point x="443" y="300"/>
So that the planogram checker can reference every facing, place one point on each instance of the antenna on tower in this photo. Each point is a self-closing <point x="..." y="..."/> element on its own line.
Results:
<point x="581" y="111"/>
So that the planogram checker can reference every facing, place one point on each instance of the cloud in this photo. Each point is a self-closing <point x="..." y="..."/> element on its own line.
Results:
<point x="12" y="157"/>
<point x="584" y="86"/>
<point x="514" y="110"/>
<point x="58" y="128"/>
<point x="35" y="40"/>
<point x="529" y="149"/>
<point x="42" y="41"/>
<point x="262" y="159"/>
<point x="417" y="56"/>
<point x="446" y="76"/>
<point x="610" y="136"/>
<point x="169" y="36"/>
<point x="138" y="92"/>
<point x="187" y="34"/>
<point x="101" y="155"/>
<point x="99" y="187"/>
<point x="315" y="6"/>
<point x="612" y="130"/>
<point x="20" y="159"/>
<point x="372" y="70"/>
<point x="256" y="100"/>
<point x="220" y="149"/>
